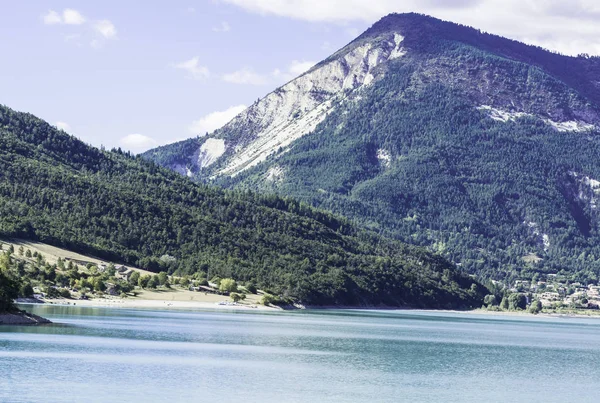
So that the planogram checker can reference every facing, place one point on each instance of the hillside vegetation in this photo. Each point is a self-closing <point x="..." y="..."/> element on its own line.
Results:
<point x="56" y="189"/>
<point x="479" y="148"/>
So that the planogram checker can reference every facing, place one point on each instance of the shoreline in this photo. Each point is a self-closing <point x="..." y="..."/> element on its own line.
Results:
<point x="21" y="318"/>
<point x="147" y="304"/>
<point x="158" y="304"/>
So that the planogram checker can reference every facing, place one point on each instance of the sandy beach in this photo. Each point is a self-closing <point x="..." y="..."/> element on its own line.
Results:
<point x="171" y="299"/>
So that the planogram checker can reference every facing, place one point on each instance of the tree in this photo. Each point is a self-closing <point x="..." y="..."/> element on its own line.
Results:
<point x="134" y="278"/>
<point x="9" y="290"/>
<point x="235" y="297"/>
<point x="163" y="278"/>
<point x="21" y="251"/>
<point x="228" y="285"/>
<point x="517" y="301"/>
<point x="143" y="281"/>
<point x="99" y="284"/>
<point x="216" y="280"/>
<point x="504" y="304"/>
<point x="251" y="287"/>
<point x="64" y="293"/>
<point x="490" y="300"/>
<point x="26" y="290"/>
<point x="535" y="307"/>
<point x="153" y="282"/>
<point x="268" y="299"/>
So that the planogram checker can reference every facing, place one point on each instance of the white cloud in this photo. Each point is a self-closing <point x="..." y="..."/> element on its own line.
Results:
<point x="570" y="27"/>
<point x="215" y="120"/>
<point x="99" y="30"/>
<point x="224" y="27"/>
<point x="62" y="126"/>
<point x="246" y="76"/>
<point x="137" y="142"/>
<point x="51" y="18"/>
<point x="72" y="17"/>
<point x="68" y="17"/>
<point x="193" y="68"/>
<point x="296" y="67"/>
<point x="106" y="29"/>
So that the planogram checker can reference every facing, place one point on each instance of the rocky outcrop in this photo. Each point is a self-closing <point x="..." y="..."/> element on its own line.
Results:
<point x="18" y="318"/>
<point x="295" y="109"/>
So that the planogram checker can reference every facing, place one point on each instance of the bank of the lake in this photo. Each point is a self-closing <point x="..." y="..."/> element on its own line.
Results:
<point x="21" y="318"/>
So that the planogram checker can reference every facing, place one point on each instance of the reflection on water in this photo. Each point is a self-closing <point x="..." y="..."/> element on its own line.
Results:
<point x="102" y="354"/>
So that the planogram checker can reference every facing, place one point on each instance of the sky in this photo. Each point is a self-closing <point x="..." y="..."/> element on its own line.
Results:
<point x="138" y="74"/>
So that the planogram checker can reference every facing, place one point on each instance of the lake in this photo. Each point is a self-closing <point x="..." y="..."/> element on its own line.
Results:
<point x="121" y="355"/>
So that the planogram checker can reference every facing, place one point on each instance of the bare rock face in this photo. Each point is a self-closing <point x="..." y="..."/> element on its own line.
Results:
<point x="295" y="109"/>
<point x="506" y="79"/>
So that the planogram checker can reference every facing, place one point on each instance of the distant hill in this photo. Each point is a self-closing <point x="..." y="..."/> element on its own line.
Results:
<point x="475" y="146"/>
<point x="58" y="190"/>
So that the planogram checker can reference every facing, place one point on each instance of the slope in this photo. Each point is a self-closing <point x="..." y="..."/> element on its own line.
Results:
<point x="475" y="146"/>
<point x="56" y="189"/>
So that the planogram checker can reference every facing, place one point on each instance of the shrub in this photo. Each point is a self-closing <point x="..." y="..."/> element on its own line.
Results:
<point x="251" y="288"/>
<point x="535" y="307"/>
<point x="228" y="285"/>
<point x="26" y="290"/>
<point x="64" y="293"/>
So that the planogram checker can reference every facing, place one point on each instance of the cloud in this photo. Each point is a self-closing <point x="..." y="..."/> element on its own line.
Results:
<point x="52" y="17"/>
<point x="65" y="127"/>
<point x="193" y="68"/>
<point x="99" y="30"/>
<point x="249" y="77"/>
<point x="68" y="17"/>
<point x="137" y="142"/>
<point x="296" y="68"/>
<point x="569" y="27"/>
<point x="215" y="120"/>
<point x="224" y="27"/>
<point x="245" y="76"/>
<point x="72" y="17"/>
<point x="319" y="10"/>
<point x="106" y="29"/>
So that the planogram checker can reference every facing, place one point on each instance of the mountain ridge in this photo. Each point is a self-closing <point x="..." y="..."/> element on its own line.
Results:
<point x="415" y="32"/>
<point x="507" y="132"/>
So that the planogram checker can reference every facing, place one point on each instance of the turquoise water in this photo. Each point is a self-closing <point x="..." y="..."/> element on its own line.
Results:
<point x="119" y="355"/>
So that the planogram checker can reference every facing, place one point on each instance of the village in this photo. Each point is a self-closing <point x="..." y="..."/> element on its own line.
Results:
<point x="557" y="293"/>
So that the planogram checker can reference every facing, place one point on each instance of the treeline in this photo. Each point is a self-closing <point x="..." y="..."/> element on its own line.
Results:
<point x="55" y="189"/>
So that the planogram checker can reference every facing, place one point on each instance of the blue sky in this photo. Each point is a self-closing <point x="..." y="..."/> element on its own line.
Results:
<point x="137" y="74"/>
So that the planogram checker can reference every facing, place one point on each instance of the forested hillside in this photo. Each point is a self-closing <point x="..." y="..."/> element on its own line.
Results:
<point x="56" y="189"/>
<point x="502" y="199"/>
<point x="477" y="147"/>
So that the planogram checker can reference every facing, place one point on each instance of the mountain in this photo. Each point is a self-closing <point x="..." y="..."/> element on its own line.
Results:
<point x="475" y="146"/>
<point x="58" y="190"/>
